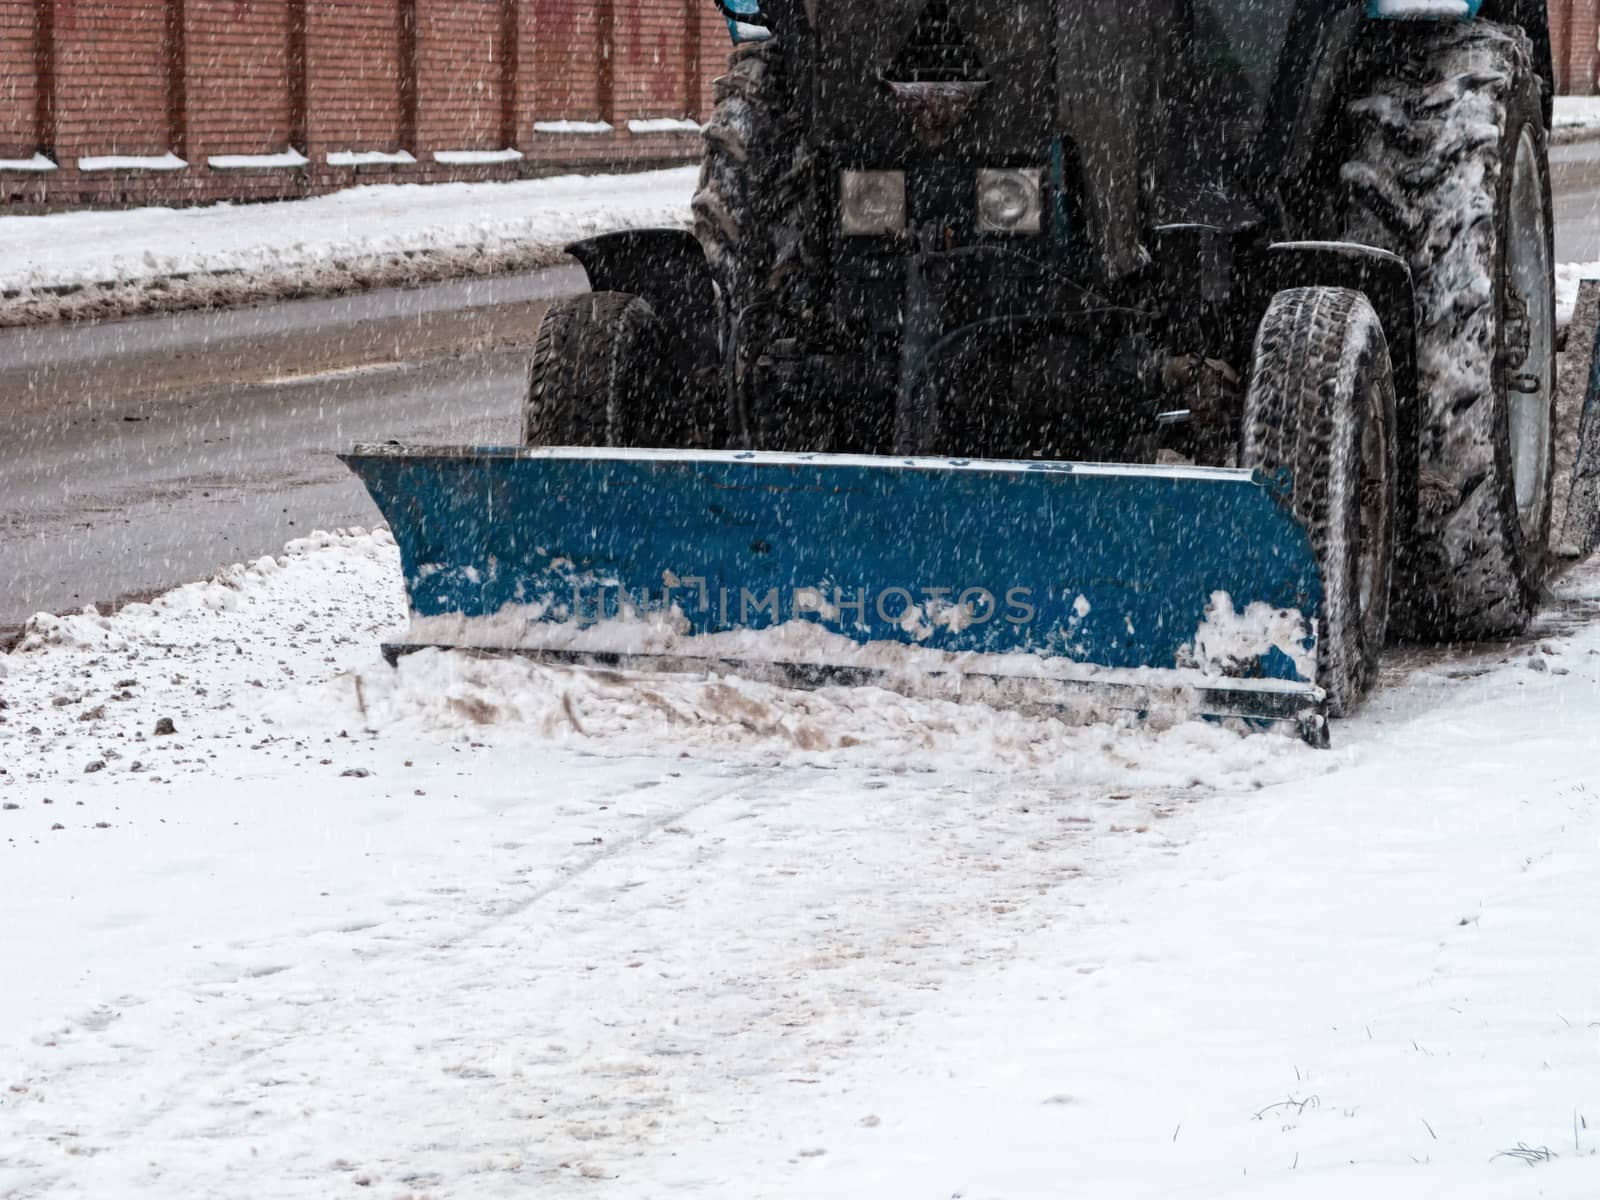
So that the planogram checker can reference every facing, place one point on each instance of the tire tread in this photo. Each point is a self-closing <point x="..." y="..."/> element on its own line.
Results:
<point x="1425" y="183"/>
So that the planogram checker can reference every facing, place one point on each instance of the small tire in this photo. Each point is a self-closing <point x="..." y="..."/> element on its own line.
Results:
<point x="1321" y="405"/>
<point x="598" y="378"/>
<point x="1449" y="171"/>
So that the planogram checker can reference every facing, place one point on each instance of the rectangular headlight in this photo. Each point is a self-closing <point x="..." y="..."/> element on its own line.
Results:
<point x="872" y="203"/>
<point x="1011" y="201"/>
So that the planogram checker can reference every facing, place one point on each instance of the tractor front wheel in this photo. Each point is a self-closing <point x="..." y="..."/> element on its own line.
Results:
<point x="1321" y="406"/>
<point x="599" y="378"/>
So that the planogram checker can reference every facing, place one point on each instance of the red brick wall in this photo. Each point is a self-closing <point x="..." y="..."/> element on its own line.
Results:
<point x="225" y="77"/>
<point x="353" y="75"/>
<point x="1575" y="33"/>
<point x="238" y="66"/>
<point x="461" y="74"/>
<point x="113" y="77"/>
<point x="713" y="52"/>
<point x="19" y="93"/>
<point x="563" y="66"/>
<point x="650" y="62"/>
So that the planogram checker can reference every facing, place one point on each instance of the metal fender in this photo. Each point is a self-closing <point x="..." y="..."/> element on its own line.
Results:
<point x="668" y="269"/>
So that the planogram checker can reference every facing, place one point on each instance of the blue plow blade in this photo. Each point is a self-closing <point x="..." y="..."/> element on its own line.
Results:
<point x="1071" y="587"/>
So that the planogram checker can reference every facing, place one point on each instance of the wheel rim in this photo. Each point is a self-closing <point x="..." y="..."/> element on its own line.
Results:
<point x="1372" y="560"/>
<point x="1529" y="336"/>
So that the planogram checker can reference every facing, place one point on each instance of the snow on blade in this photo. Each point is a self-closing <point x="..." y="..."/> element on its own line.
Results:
<point x="1228" y="640"/>
<point x="723" y="717"/>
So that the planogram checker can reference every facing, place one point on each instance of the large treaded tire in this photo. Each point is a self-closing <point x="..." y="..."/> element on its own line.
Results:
<point x="744" y="144"/>
<point x="751" y="216"/>
<point x="1436" y="137"/>
<point x="1321" y="405"/>
<point x="598" y="378"/>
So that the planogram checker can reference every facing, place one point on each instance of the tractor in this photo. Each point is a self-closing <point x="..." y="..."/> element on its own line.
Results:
<point x="1306" y="243"/>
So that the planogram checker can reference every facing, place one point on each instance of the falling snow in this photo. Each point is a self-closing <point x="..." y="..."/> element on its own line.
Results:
<point x="282" y="919"/>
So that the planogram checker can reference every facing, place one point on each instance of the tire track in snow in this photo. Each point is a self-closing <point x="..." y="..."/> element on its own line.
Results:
<point x="622" y="1004"/>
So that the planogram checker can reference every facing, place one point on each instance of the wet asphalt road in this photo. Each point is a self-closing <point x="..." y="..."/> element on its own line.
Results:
<point x="141" y="454"/>
<point x="146" y="453"/>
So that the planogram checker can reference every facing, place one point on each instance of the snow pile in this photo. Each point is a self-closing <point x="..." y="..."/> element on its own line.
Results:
<point x="117" y="263"/>
<point x="87" y="687"/>
<point x="132" y="162"/>
<point x="36" y="162"/>
<point x="100" y="263"/>
<point x="517" y="702"/>
<point x="664" y="125"/>
<point x="371" y="158"/>
<point x="290" y="159"/>
<point x="1577" y="115"/>
<point x="169" y="618"/>
<point x="477" y="158"/>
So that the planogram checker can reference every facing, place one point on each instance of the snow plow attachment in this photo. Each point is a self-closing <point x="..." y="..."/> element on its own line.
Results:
<point x="1083" y="590"/>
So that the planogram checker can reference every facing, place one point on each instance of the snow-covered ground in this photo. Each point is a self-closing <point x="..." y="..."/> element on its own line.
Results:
<point x="1577" y="115"/>
<point x="476" y="928"/>
<point x="125" y="261"/>
<point x="94" y="247"/>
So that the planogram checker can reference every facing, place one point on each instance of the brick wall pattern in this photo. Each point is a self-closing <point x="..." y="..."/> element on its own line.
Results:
<point x="369" y="90"/>
<point x="331" y="93"/>
<point x="1575" y="43"/>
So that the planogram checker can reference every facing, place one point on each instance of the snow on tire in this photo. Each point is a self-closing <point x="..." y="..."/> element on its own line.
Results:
<point x="596" y="378"/>
<point x="750" y="215"/>
<point x="743" y="138"/>
<point x="1449" y="172"/>
<point x="1321" y="405"/>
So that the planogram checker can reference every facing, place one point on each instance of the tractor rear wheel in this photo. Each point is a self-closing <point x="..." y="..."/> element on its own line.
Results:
<point x="1450" y="173"/>
<point x="599" y="378"/>
<point x="1321" y="405"/>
